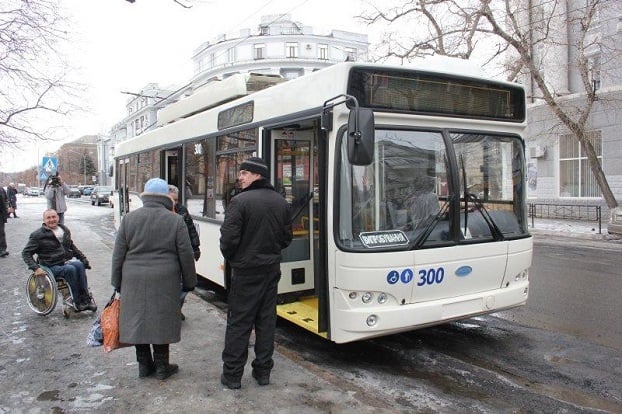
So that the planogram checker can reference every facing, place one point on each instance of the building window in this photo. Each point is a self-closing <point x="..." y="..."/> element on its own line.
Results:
<point x="231" y="55"/>
<point x="291" y="50"/>
<point x="322" y="51"/>
<point x="575" y="176"/>
<point x="212" y="60"/>
<point x="594" y="67"/>
<point x="260" y="51"/>
<point x="350" y="54"/>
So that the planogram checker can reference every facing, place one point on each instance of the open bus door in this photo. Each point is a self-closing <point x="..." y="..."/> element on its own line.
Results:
<point x="172" y="168"/>
<point x="294" y="155"/>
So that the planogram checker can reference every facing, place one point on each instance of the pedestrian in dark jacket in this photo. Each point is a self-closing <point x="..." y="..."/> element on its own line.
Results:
<point x="173" y="192"/>
<point x="4" y="213"/>
<point x="11" y="192"/>
<point x="152" y="255"/>
<point x="56" y="250"/>
<point x="256" y="228"/>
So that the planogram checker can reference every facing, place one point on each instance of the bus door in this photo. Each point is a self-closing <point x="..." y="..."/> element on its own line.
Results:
<point x="295" y="172"/>
<point x="172" y="168"/>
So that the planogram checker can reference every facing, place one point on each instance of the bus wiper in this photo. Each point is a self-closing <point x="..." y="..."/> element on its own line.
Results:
<point x="422" y="237"/>
<point x="465" y="191"/>
<point x="498" y="235"/>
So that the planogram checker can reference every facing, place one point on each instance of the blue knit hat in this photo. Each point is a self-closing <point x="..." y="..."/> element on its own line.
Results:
<point x="156" y="186"/>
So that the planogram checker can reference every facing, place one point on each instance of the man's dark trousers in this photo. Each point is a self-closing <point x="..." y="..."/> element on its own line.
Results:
<point x="251" y="302"/>
<point x="3" y="245"/>
<point x="74" y="274"/>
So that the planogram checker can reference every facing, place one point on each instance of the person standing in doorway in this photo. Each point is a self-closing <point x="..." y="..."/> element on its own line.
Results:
<point x="11" y="192"/>
<point x="256" y="228"/>
<point x="4" y="213"/>
<point x="152" y="256"/>
<point x="173" y="192"/>
<point x="55" y="191"/>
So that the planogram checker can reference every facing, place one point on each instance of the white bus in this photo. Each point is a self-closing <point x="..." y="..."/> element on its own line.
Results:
<point x="407" y="188"/>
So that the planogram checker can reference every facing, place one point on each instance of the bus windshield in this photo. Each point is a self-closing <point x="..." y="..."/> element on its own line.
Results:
<point x="419" y="193"/>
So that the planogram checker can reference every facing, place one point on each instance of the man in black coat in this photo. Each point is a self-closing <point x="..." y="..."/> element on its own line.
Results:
<point x="195" y="241"/>
<point x="256" y="228"/>
<point x="4" y="213"/>
<point x="56" y="250"/>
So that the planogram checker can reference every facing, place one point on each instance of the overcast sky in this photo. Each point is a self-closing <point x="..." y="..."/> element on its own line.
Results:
<point x="120" y="46"/>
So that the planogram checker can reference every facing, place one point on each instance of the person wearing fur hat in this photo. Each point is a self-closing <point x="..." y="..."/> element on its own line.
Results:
<point x="256" y="228"/>
<point x="152" y="256"/>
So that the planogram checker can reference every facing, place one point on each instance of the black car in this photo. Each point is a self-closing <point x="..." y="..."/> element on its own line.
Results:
<point x="101" y="195"/>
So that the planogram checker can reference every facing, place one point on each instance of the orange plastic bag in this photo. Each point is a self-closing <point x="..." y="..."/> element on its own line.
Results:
<point x="110" y="325"/>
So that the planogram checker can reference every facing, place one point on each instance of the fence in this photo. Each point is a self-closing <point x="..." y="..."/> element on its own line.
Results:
<point x="579" y="212"/>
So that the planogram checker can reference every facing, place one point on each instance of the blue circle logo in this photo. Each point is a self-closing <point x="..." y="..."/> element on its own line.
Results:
<point x="393" y="277"/>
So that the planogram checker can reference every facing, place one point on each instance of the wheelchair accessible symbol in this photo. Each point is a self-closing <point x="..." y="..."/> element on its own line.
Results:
<point x="405" y="277"/>
<point x="393" y="277"/>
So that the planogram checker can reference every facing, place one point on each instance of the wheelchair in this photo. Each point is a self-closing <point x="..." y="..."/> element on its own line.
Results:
<point x="43" y="293"/>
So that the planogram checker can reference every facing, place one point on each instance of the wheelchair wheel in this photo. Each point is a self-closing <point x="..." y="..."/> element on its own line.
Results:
<point x="41" y="293"/>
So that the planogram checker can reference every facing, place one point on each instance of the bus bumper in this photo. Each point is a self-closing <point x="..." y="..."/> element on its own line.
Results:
<point x="355" y="323"/>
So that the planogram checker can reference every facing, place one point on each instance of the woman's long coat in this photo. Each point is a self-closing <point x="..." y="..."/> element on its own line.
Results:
<point x="151" y="260"/>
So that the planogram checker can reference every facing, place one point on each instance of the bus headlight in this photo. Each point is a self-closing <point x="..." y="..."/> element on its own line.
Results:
<point x="382" y="298"/>
<point x="372" y="320"/>
<point x="367" y="297"/>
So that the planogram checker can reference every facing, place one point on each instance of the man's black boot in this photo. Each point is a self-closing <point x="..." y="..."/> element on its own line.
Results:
<point x="229" y="383"/>
<point x="160" y="358"/>
<point x="262" y="379"/>
<point x="146" y="367"/>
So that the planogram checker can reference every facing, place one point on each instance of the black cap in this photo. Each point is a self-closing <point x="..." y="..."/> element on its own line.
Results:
<point x="255" y="165"/>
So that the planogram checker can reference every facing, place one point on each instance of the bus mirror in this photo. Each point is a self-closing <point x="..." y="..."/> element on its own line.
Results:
<point x="111" y="171"/>
<point x="361" y="134"/>
<point x="326" y="122"/>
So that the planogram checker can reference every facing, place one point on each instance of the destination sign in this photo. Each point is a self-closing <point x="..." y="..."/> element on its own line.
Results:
<point x="388" y="238"/>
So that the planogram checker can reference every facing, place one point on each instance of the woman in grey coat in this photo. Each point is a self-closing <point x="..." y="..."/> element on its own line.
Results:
<point x="151" y="251"/>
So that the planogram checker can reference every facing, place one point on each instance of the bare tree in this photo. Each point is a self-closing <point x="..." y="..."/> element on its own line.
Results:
<point x="34" y="91"/>
<point x="515" y="35"/>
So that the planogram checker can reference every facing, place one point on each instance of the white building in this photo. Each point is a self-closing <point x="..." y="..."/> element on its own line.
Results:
<point x="278" y="46"/>
<point x="558" y="171"/>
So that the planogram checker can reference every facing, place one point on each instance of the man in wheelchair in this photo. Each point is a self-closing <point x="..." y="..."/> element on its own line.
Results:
<point x="54" y="248"/>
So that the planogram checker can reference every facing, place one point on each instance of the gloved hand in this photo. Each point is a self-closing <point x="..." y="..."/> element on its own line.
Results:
<point x="197" y="254"/>
<point x="187" y="289"/>
<point x="87" y="265"/>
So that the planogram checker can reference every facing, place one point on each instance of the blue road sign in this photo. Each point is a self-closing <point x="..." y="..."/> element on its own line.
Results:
<point x="43" y="176"/>
<point x="49" y="166"/>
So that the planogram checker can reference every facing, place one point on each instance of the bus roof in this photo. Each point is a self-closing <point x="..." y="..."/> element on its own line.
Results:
<point x="187" y="119"/>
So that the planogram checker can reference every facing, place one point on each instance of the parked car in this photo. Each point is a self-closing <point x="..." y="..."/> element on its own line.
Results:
<point x="75" y="192"/>
<point x="87" y="190"/>
<point x="101" y="195"/>
<point x="33" y="192"/>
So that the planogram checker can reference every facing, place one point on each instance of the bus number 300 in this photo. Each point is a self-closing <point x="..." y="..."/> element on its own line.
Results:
<point x="426" y="276"/>
<point x="430" y="276"/>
